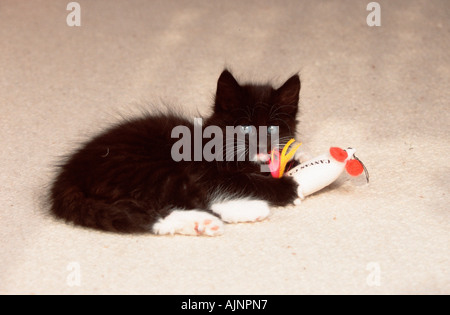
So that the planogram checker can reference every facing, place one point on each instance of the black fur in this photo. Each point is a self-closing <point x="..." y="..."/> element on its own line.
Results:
<point x="125" y="179"/>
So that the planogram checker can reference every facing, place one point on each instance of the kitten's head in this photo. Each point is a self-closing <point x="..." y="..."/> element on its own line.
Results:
<point x="258" y="109"/>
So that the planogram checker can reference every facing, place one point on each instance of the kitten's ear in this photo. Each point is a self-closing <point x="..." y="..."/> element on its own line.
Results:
<point x="228" y="93"/>
<point x="287" y="96"/>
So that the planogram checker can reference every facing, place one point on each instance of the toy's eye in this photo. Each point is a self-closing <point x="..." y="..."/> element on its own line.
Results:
<point x="247" y="130"/>
<point x="272" y="130"/>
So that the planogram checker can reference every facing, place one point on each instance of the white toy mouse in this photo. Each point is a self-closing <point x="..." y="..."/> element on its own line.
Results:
<point x="317" y="173"/>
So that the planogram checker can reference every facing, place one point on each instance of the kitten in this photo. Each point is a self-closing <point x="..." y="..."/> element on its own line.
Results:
<point x="126" y="180"/>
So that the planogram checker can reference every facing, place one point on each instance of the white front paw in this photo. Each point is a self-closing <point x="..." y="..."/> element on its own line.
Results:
<point x="244" y="210"/>
<point x="300" y="193"/>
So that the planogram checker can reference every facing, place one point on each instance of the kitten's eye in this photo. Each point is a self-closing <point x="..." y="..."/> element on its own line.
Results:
<point x="247" y="130"/>
<point x="272" y="130"/>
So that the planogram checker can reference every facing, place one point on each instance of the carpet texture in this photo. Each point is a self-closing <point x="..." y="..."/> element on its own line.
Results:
<point x="383" y="90"/>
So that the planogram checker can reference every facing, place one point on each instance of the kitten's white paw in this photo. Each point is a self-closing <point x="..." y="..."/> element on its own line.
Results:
<point x="300" y="194"/>
<point x="189" y="222"/>
<point x="242" y="210"/>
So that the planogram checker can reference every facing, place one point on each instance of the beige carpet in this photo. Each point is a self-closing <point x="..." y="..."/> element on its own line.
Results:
<point x="384" y="90"/>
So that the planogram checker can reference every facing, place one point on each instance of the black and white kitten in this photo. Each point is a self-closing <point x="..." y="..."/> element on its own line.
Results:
<point x="125" y="179"/>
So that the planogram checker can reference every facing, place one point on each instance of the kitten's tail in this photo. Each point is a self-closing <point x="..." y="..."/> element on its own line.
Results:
<point x="123" y="216"/>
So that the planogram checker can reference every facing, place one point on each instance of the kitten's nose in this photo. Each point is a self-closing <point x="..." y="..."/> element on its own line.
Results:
<point x="263" y="157"/>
